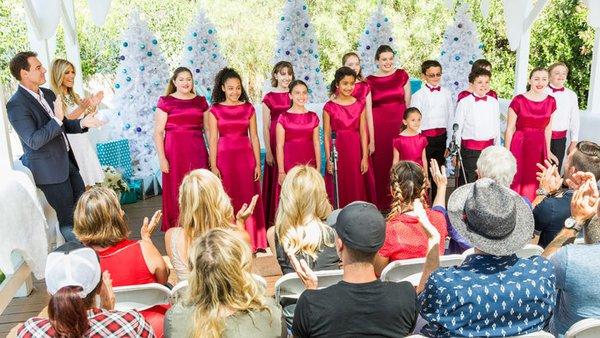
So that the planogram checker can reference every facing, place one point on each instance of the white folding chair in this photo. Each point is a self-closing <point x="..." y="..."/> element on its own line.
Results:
<point x="586" y="328"/>
<point x="140" y="297"/>
<point x="525" y="252"/>
<point x="410" y="269"/>
<point x="290" y="285"/>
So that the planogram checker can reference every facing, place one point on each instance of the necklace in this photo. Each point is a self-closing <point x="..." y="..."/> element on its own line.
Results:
<point x="69" y="100"/>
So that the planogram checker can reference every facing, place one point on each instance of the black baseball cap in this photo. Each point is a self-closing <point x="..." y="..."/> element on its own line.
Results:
<point x="359" y="225"/>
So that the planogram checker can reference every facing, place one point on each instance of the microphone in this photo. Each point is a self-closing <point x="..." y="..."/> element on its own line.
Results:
<point x="333" y="136"/>
<point x="455" y="127"/>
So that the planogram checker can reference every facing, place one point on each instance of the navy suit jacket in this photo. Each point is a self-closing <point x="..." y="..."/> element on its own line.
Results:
<point x="45" y="153"/>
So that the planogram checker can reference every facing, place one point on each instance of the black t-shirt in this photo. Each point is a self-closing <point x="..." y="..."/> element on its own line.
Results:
<point x="374" y="309"/>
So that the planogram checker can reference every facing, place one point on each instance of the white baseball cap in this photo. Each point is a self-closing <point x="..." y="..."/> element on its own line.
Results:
<point x="72" y="264"/>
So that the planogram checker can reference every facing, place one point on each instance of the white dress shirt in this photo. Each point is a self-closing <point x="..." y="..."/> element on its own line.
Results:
<point x="479" y="120"/>
<point x="566" y="115"/>
<point x="436" y="107"/>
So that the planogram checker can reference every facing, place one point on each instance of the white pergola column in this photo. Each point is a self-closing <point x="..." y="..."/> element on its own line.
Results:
<point x="72" y="43"/>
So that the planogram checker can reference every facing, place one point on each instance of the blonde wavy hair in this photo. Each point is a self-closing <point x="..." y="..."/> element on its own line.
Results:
<point x="407" y="182"/>
<point x="98" y="218"/>
<point x="203" y="204"/>
<point x="302" y="206"/>
<point x="58" y="69"/>
<point x="220" y="280"/>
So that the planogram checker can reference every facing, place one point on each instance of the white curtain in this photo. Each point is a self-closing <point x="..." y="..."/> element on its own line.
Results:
<point x="99" y="10"/>
<point x="44" y="15"/>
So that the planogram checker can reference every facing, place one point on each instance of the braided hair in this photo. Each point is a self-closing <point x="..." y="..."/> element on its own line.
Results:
<point x="407" y="182"/>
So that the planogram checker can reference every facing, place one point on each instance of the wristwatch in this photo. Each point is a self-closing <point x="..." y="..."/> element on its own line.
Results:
<point x="571" y="223"/>
<point x="541" y="192"/>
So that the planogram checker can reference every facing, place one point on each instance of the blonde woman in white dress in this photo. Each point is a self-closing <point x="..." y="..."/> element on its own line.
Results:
<point x="62" y="81"/>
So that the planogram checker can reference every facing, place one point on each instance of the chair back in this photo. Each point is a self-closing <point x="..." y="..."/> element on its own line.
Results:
<point x="290" y="285"/>
<point x="411" y="269"/>
<point x="140" y="297"/>
<point x="525" y="252"/>
<point x="586" y="328"/>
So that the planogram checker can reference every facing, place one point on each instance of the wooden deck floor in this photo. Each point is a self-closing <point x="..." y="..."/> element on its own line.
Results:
<point x="20" y="309"/>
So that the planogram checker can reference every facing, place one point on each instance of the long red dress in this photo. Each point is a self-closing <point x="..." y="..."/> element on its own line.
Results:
<point x="361" y="90"/>
<point x="277" y="103"/>
<point x="387" y="93"/>
<point x="236" y="163"/>
<point x="345" y="122"/>
<point x="528" y="143"/>
<point x="184" y="148"/>
<point x="411" y="148"/>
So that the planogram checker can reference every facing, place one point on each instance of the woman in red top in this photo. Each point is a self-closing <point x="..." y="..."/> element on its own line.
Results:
<point x="404" y="237"/>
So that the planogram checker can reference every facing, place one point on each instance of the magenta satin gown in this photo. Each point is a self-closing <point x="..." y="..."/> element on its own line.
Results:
<point x="361" y="90"/>
<point x="236" y="163"/>
<point x="410" y="148"/>
<point x="528" y="143"/>
<point x="277" y="103"/>
<point x="298" y="147"/>
<point x="184" y="148"/>
<point x="353" y="185"/>
<point x="387" y="94"/>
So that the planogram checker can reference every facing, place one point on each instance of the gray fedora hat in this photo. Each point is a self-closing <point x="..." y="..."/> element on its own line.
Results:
<point x="493" y="218"/>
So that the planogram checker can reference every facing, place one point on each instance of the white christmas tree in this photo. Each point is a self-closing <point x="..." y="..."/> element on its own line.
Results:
<point x="141" y="78"/>
<point x="461" y="47"/>
<point x="202" y="54"/>
<point x="297" y="43"/>
<point x="378" y="32"/>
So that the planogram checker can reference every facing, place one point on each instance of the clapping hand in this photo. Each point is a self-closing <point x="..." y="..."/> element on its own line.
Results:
<point x="58" y="108"/>
<point x="90" y="121"/>
<point x="549" y="177"/>
<point x="149" y="227"/>
<point x="578" y="178"/>
<point x="307" y="276"/>
<point x="584" y="204"/>
<point x="245" y="211"/>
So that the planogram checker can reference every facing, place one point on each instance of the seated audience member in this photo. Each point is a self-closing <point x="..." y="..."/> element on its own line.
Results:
<point x="223" y="299"/>
<point x="576" y="265"/>
<point x="404" y="237"/>
<point x="73" y="280"/>
<point x="100" y="224"/>
<point x="360" y="304"/>
<point x="203" y="205"/>
<point x="493" y="292"/>
<point x="552" y="205"/>
<point x="299" y="227"/>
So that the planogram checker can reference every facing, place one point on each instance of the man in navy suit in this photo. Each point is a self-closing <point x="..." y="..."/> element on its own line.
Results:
<point x="38" y="118"/>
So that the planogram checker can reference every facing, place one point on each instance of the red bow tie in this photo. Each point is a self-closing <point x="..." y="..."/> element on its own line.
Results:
<point x="477" y="98"/>
<point x="554" y="90"/>
<point x="432" y="89"/>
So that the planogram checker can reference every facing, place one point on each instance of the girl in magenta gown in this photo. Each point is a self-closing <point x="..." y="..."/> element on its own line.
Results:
<point x="362" y="91"/>
<point x="274" y="103"/>
<point x="410" y="144"/>
<point x="297" y="134"/>
<point x="345" y="115"/>
<point x="528" y="132"/>
<point x="390" y="90"/>
<point x="235" y="151"/>
<point x="179" y="139"/>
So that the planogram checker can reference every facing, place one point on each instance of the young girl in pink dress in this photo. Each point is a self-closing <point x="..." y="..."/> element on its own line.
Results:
<point x="179" y="139"/>
<point x="362" y="91"/>
<point x="410" y="144"/>
<point x="234" y="151"/>
<point x="274" y="103"/>
<point x="390" y="90"/>
<point x="297" y="134"/>
<point x="345" y="115"/>
<point x="529" y="131"/>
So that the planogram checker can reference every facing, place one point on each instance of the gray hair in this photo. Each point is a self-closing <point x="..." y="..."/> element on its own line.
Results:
<point x="497" y="163"/>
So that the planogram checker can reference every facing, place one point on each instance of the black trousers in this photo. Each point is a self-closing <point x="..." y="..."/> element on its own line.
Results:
<point x="469" y="161"/>
<point x="436" y="146"/>
<point x="62" y="197"/>
<point x="558" y="147"/>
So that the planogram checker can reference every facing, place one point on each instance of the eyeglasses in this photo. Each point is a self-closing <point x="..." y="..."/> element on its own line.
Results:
<point x="431" y="76"/>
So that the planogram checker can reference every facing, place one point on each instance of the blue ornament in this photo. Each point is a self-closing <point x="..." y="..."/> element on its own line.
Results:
<point x="154" y="41"/>
<point x="317" y="82"/>
<point x="190" y="48"/>
<point x="128" y="79"/>
<point x="205" y="41"/>
<point x="312" y="41"/>
<point x="122" y="57"/>
<point x="197" y="70"/>
<point x="456" y="83"/>
<point x="455" y="38"/>
<point x="210" y="31"/>
<point x="385" y="19"/>
<point x="117" y="85"/>
<point x="142" y="68"/>
<point x="391" y="39"/>
<point x="191" y="62"/>
<point x="317" y="69"/>
<point x="287" y="52"/>
<point x="443" y="52"/>
<point x="282" y="18"/>
<point x="142" y="46"/>
<point x="156" y="83"/>
<point x="127" y="125"/>
<point x="368" y="47"/>
<point x="154" y="108"/>
<point x="124" y="71"/>
<point x="196" y="81"/>
<point x="149" y="53"/>
<point x="194" y="34"/>
<point x="306" y="25"/>
<point x="138" y="129"/>
<point x="202" y="49"/>
<point x="304" y="7"/>
<point x="471" y="62"/>
<point x="378" y="25"/>
<point x="367" y="32"/>
<point x="310" y="91"/>
<point x="306" y="78"/>
<point x="457" y="58"/>
<point x="299" y="51"/>
<point x="214" y="56"/>
<point x="125" y="44"/>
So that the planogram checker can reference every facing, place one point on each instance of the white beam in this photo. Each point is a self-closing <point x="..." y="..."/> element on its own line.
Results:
<point x="72" y="43"/>
<point x="593" y="103"/>
<point x="533" y="15"/>
<point x="522" y="64"/>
